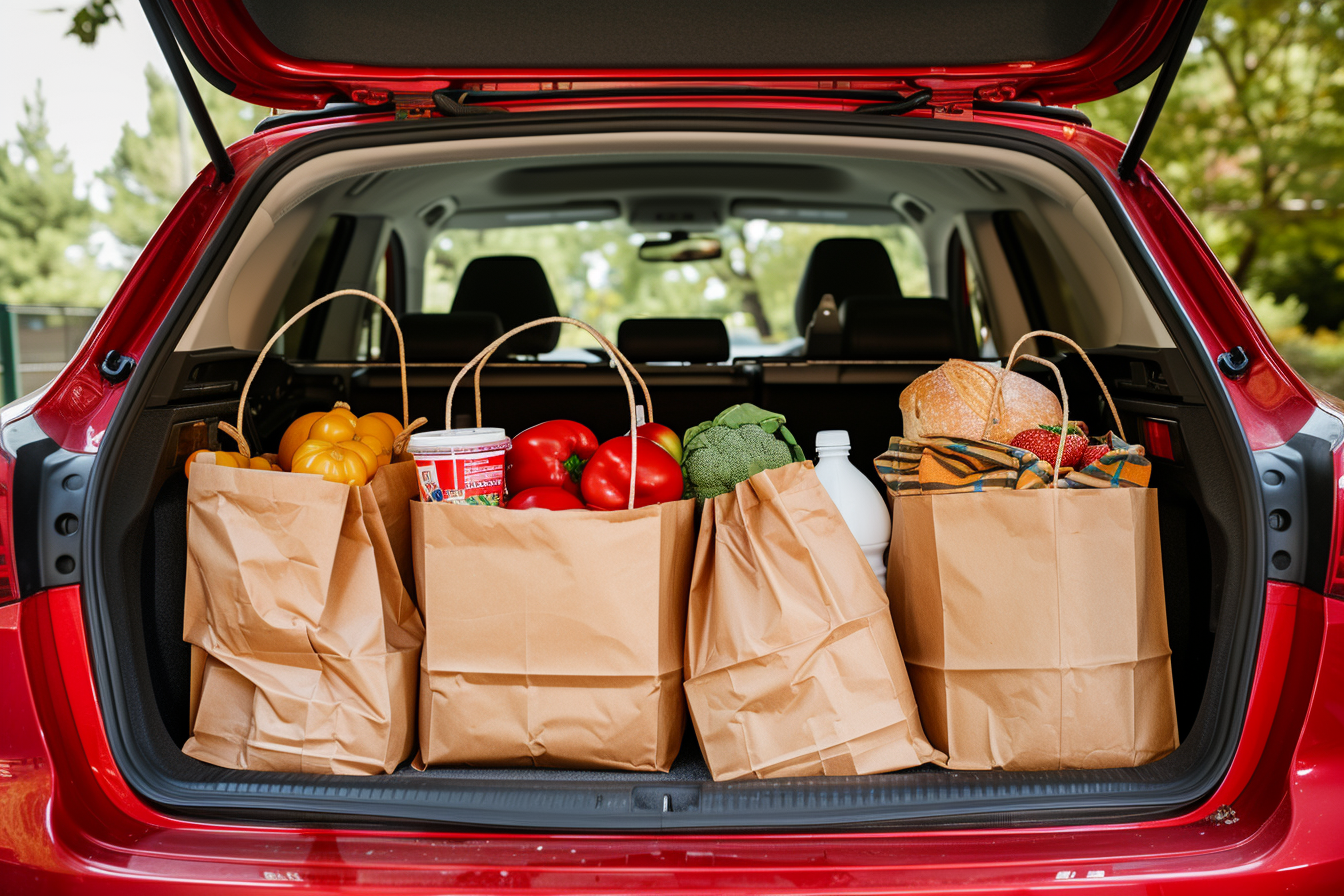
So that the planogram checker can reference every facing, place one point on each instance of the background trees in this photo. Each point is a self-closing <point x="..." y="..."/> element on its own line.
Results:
<point x="46" y="247"/>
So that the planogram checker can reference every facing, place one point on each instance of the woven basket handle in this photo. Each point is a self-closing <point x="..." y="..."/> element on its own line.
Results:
<point x="622" y="365"/>
<point x="399" y="443"/>
<point x="1014" y="357"/>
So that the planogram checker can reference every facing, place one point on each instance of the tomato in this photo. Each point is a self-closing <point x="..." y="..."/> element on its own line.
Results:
<point x="606" y="478"/>
<point x="334" y="463"/>
<point x="230" y="459"/>
<point x="377" y="431"/>
<point x="664" y="437"/>
<point x="333" y="427"/>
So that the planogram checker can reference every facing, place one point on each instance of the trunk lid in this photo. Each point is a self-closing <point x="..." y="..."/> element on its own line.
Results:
<point x="304" y="53"/>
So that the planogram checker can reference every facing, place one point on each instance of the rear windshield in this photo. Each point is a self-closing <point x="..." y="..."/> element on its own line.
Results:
<point x="597" y="275"/>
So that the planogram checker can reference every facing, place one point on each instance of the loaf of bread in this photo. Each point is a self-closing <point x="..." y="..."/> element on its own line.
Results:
<point x="953" y="401"/>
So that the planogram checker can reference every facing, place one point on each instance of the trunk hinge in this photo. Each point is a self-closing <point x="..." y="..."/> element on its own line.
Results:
<point x="1143" y="128"/>
<point x="955" y="103"/>
<point x="200" y="116"/>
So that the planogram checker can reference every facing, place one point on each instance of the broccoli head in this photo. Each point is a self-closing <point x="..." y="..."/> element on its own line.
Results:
<point x="733" y="447"/>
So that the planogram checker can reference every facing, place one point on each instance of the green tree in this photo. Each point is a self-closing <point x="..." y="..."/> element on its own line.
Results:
<point x="88" y="20"/>
<point x="45" y="228"/>
<point x="1250" y="144"/>
<point x="149" y="171"/>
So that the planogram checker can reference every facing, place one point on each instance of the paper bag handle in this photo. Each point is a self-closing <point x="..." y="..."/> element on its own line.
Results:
<point x="622" y="365"/>
<point x="1014" y="357"/>
<point x="398" y="443"/>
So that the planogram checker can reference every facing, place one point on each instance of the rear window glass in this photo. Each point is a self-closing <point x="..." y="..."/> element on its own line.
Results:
<point x="597" y="276"/>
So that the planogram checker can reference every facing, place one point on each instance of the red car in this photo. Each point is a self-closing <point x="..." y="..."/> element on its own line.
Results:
<point x="928" y="159"/>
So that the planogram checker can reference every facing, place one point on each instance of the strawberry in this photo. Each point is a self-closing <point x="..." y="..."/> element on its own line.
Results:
<point x="1091" y="455"/>
<point x="1043" y="442"/>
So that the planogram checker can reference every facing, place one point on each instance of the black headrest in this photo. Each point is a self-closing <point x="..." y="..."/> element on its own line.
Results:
<point x="456" y="336"/>
<point x="843" y="267"/>
<point x="697" y="340"/>
<point x="515" y="288"/>
<point x="883" y="328"/>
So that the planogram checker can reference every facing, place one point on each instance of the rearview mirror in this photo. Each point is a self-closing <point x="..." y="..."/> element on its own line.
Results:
<point x="681" y="247"/>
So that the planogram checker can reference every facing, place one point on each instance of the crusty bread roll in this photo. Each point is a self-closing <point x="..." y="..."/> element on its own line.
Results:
<point x="953" y="401"/>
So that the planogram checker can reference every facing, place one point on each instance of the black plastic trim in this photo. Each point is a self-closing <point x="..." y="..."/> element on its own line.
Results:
<point x="330" y="110"/>
<point x="1010" y="241"/>
<point x="1298" y="480"/>
<point x="919" y="798"/>
<point x="1055" y="113"/>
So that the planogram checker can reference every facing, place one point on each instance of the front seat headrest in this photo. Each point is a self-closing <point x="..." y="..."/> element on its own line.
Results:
<point x="455" y="336"/>
<point x="515" y="288"/>
<point x="695" y="340"/>
<point x="883" y="328"/>
<point x="843" y="267"/>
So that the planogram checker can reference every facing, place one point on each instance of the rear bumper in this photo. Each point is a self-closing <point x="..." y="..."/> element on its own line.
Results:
<point x="69" y="822"/>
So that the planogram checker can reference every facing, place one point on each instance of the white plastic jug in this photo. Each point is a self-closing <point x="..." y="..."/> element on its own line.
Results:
<point x="859" y="501"/>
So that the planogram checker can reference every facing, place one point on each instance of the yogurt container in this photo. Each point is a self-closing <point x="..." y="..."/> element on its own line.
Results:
<point x="461" y="466"/>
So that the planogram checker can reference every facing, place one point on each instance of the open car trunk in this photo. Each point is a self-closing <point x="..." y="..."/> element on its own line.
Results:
<point x="958" y="180"/>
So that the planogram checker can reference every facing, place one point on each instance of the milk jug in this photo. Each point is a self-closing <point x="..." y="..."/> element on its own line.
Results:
<point x="859" y="501"/>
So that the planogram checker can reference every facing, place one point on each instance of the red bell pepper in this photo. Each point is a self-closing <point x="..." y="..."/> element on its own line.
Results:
<point x="606" y="479"/>
<point x="545" y="498"/>
<point x="550" y="454"/>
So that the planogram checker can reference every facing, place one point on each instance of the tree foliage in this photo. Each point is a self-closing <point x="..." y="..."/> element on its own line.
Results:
<point x="1250" y="143"/>
<point x="88" y="20"/>
<point x="150" y="170"/>
<point x="45" y="227"/>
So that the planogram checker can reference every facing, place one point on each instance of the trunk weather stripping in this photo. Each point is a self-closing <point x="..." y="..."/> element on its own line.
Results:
<point x="172" y="53"/>
<point x="1143" y="129"/>
<point x="890" y="102"/>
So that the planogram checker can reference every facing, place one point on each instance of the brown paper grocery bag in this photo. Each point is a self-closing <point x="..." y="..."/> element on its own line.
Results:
<point x="553" y="638"/>
<point x="305" y="641"/>
<point x="791" y="661"/>
<point x="1034" y="624"/>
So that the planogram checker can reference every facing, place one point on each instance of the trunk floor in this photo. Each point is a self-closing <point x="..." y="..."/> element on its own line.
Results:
<point x="688" y="766"/>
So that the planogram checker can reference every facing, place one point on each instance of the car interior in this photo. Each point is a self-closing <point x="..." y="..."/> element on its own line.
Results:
<point x="847" y="269"/>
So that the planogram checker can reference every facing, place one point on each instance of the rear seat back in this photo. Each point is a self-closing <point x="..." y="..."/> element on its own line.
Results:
<point x="843" y="267"/>
<point x="455" y="336"/>
<point x="694" y="340"/>
<point x="515" y="288"/>
<point x="898" y="328"/>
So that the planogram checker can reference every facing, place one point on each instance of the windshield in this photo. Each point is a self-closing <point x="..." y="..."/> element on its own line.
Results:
<point x="597" y="276"/>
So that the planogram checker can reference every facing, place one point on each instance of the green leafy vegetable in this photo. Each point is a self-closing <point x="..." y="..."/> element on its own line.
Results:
<point x="734" y="446"/>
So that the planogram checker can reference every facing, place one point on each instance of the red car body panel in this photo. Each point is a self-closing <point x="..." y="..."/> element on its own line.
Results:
<point x="231" y="43"/>
<point x="69" y="822"/>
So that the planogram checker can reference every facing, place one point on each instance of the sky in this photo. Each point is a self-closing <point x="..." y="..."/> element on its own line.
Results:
<point x="91" y="91"/>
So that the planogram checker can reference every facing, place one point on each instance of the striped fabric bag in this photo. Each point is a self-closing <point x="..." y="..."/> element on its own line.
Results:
<point x="943" y="465"/>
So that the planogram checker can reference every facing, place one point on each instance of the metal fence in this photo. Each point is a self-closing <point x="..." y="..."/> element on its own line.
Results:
<point x="36" y="342"/>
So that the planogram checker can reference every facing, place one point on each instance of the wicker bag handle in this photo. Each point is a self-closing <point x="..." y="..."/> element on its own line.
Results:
<point x="235" y="432"/>
<point x="622" y="366"/>
<point x="1014" y="357"/>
